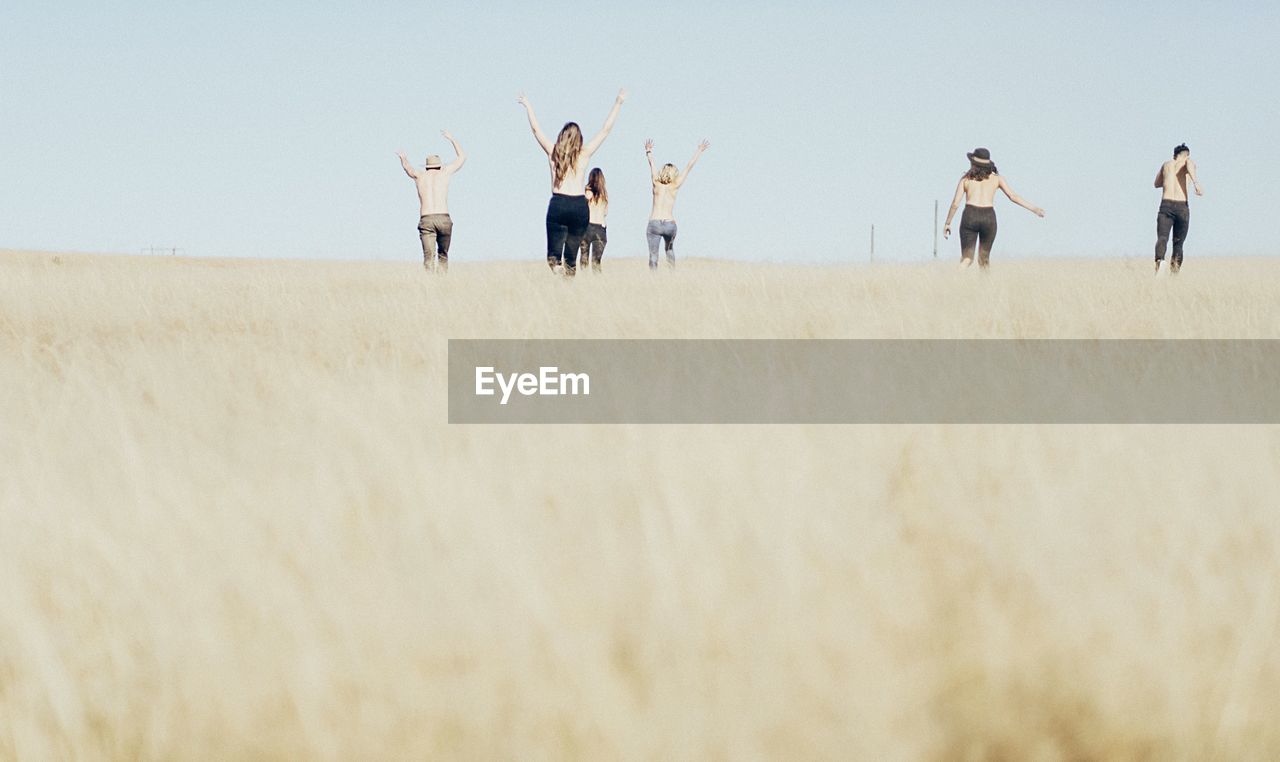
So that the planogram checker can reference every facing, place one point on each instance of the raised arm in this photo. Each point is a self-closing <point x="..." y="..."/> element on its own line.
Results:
<point x="461" y="159"/>
<point x="408" y="168"/>
<point x="1019" y="200"/>
<point x="704" y="145"/>
<point x="1191" y="172"/>
<point x="594" y="144"/>
<point x="1160" y="177"/>
<point x="648" y="154"/>
<point x="955" y="204"/>
<point x="533" y="125"/>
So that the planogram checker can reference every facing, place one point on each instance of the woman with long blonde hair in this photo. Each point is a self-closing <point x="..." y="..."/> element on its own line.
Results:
<point x="594" y="241"/>
<point x="568" y="214"/>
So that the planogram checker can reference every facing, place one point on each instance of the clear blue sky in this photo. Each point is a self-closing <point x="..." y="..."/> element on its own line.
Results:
<point x="269" y="129"/>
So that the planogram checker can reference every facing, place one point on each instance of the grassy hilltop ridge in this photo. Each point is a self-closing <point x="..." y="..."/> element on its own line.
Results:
<point x="234" y="523"/>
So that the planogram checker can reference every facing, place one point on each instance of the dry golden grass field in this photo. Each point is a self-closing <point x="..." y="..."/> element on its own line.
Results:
<point x="234" y="524"/>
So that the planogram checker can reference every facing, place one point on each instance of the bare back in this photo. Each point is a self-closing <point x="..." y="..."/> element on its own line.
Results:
<point x="574" y="182"/>
<point x="1174" y="176"/>
<point x="981" y="192"/>
<point x="599" y="209"/>
<point x="664" y="201"/>
<point x="433" y="190"/>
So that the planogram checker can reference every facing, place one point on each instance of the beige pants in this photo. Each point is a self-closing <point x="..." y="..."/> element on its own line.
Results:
<point x="436" y="231"/>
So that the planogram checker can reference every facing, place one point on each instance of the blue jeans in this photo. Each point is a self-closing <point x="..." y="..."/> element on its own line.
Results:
<point x="658" y="232"/>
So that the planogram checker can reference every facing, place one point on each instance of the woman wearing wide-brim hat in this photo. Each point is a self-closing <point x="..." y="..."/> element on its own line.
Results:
<point x="978" y="187"/>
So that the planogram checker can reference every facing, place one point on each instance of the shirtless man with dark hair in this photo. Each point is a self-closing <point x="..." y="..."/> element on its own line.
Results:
<point x="435" y="226"/>
<point x="1175" y="212"/>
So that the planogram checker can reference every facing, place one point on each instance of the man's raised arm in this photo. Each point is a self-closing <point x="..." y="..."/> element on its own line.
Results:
<point x="461" y="159"/>
<point x="408" y="168"/>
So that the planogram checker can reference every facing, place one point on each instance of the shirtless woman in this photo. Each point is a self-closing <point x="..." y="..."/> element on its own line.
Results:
<point x="568" y="214"/>
<point x="435" y="226"/>
<point x="978" y="187"/>
<point x="594" y="241"/>
<point x="662" y="221"/>
<point x="1175" y="212"/>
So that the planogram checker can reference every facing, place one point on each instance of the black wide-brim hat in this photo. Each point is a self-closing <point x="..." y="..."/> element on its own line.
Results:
<point x="980" y="156"/>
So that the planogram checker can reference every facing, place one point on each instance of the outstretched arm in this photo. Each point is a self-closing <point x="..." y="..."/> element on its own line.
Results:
<point x="461" y="159"/>
<point x="408" y="168"/>
<point x="1019" y="200"/>
<point x="533" y="125"/>
<point x="704" y="145"/>
<point x="648" y="154"/>
<point x="1191" y="172"/>
<point x="955" y="204"/>
<point x="594" y="144"/>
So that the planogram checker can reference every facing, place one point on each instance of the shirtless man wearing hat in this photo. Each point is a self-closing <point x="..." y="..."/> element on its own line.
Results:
<point x="435" y="226"/>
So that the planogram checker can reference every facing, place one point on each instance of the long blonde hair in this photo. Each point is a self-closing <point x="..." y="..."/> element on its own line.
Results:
<point x="567" y="151"/>
<point x="668" y="174"/>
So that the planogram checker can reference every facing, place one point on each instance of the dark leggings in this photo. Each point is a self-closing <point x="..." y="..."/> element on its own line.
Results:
<point x="593" y="244"/>
<point x="977" y="230"/>
<point x="567" y="218"/>
<point x="1175" y="216"/>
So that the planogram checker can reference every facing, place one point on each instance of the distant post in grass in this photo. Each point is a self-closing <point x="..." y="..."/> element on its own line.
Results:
<point x="935" y="228"/>
<point x="873" y="243"/>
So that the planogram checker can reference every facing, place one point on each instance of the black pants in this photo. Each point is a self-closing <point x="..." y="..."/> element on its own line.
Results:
<point x="567" y="219"/>
<point x="593" y="244"/>
<point x="977" y="230"/>
<point x="1175" y="216"/>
